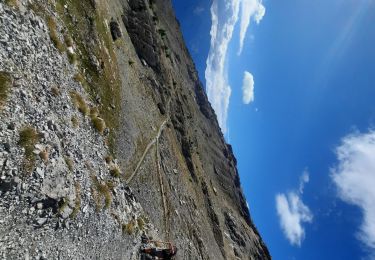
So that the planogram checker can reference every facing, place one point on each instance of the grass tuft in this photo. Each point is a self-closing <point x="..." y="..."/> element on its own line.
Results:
<point x="77" y="202"/>
<point x="12" y="3"/>
<point x="115" y="171"/>
<point x="101" y="191"/>
<point x="99" y="124"/>
<point x="108" y="159"/>
<point x="5" y="84"/>
<point x="128" y="228"/>
<point x="141" y="223"/>
<point x="79" y="103"/>
<point x="28" y="138"/>
<point x="53" y="34"/>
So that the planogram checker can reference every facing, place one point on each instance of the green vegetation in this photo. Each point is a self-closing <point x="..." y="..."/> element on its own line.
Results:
<point x="141" y="223"/>
<point x="53" y="34"/>
<point x="128" y="228"/>
<point x="101" y="191"/>
<point x="131" y="62"/>
<point x="77" y="202"/>
<point x="115" y="171"/>
<point x="5" y="84"/>
<point x="12" y="3"/>
<point x="80" y="19"/>
<point x="28" y="138"/>
<point x="79" y="103"/>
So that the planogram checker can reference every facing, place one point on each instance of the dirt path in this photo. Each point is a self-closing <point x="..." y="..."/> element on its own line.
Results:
<point x="153" y="141"/>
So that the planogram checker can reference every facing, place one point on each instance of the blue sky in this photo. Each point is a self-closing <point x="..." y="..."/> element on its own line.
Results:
<point x="311" y="113"/>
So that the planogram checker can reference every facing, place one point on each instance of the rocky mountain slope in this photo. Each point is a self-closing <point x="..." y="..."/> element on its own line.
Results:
<point x="106" y="134"/>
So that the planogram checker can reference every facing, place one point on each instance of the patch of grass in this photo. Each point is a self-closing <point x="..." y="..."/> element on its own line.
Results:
<point x="69" y="163"/>
<point x="77" y="202"/>
<point x="12" y="3"/>
<point x="141" y="223"/>
<point x="52" y="27"/>
<point x="128" y="228"/>
<point x="75" y="121"/>
<point x="72" y="57"/>
<point x="68" y="40"/>
<point x="79" y="102"/>
<point x="5" y="84"/>
<point x="115" y="171"/>
<point x="28" y="137"/>
<point x="104" y="81"/>
<point x="79" y="78"/>
<point x="99" y="124"/>
<point x="102" y="192"/>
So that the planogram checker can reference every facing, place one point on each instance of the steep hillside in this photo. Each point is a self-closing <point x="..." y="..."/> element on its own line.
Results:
<point x="106" y="134"/>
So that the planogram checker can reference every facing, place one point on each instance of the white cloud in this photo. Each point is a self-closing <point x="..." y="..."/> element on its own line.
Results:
<point x="354" y="176"/>
<point x="247" y="88"/>
<point x="249" y="9"/>
<point x="293" y="212"/>
<point x="224" y="15"/>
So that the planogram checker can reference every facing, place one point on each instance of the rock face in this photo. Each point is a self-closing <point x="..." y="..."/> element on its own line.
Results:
<point x="106" y="134"/>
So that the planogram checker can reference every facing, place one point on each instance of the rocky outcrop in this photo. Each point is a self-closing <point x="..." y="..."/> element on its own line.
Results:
<point x="106" y="134"/>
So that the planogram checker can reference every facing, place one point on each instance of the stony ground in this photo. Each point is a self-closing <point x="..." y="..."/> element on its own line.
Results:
<point x="106" y="134"/>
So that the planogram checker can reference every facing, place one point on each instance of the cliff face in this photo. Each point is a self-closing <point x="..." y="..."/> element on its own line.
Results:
<point x="106" y="133"/>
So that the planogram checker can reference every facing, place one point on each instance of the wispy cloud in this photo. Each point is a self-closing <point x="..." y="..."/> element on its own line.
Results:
<point x="249" y="9"/>
<point x="293" y="212"/>
<point x="224" y="16"/>
<point x="354" y="176"/>
<point x="247" y="88"/>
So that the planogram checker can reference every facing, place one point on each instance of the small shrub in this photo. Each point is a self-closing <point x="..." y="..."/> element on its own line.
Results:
<point x="5" y="84"/>
<point x="28" y="138"/>
<point x="115" y="171"/>
<point x="130" y="62"/>
<point x="79" y="102"/>
<point x="75" y="121"/>
<point x="53" y="34"/>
